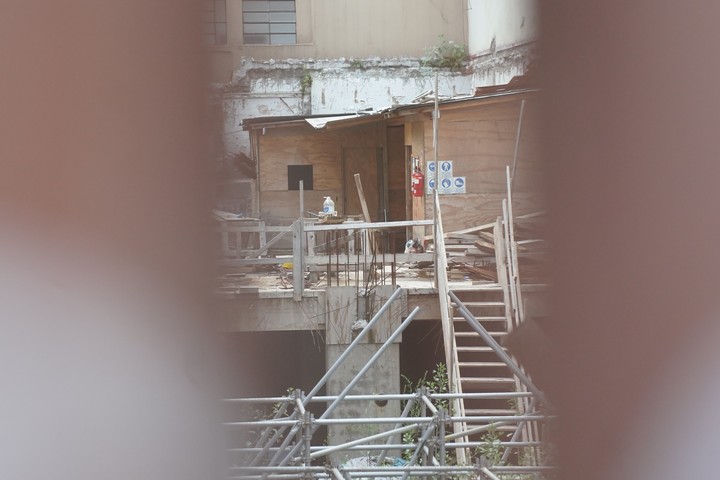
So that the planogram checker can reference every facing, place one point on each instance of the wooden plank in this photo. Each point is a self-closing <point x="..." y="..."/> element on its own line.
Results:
<point x="502" y="273"/>
<point x="361" y="196"/>
<point x="485" y="208"/>
<point x="253" y="229"/>
<point x="365" y="226"/>
<point x="482" y="244"/>
<point x="298" y="254"/>
<point x="366" y="259"/>
<point x="269" y="244"/>
<point x="361" y="163"/>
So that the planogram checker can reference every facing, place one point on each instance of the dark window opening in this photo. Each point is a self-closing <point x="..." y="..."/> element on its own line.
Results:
<point x="269" y="22"/>
<point x="300" y="172"/>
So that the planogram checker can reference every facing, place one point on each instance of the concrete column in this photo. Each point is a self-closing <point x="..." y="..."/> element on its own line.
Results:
<point x="346" y="313"/>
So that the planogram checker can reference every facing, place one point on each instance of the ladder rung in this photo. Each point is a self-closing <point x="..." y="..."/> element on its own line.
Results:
<point x="480" y="412"/>
<point x="488" y="380"/>
<point x="482" y="304"/>
<point x="480" y="364"/>
<point x="482" y="319"/>
<point x="475" y="334"/>
<point x="476" y="349"/>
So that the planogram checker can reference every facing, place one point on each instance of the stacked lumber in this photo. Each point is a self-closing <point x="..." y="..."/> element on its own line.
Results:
<point x="471" y="253"/>
<point x="530" y="234"/>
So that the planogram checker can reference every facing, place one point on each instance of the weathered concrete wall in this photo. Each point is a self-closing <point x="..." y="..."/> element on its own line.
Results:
<point x="494" y="25"/>
<point x="266" y="312"/>
<point x="343" y="306"/>
<point x="348" y="28"/>
<point x="500" y="67"/>
<point x="296" y="87"/>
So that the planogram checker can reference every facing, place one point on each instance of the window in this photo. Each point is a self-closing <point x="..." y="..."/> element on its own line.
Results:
<point x="269" y="22"/>
<point x="297" y="173"/>
<point x="214" y="22"/>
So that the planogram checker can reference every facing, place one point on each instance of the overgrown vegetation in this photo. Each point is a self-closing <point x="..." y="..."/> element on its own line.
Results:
<point x="356" y="64"/>
<point x="436" y="383"/>
<point x="445" y="54"/>
<point x="305" y="84"/>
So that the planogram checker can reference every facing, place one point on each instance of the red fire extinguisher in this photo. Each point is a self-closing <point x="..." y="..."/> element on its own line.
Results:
<point x="417" y="183"/>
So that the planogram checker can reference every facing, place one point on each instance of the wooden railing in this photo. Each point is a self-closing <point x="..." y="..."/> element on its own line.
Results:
<point x="451" y="357"/>
<point x="303" y="255"/>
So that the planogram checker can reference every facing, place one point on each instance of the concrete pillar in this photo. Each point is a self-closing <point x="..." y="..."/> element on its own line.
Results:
<point x="346" y="312"/>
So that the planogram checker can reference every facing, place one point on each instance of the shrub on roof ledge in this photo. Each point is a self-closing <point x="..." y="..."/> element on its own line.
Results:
<point x="445" y="54"/>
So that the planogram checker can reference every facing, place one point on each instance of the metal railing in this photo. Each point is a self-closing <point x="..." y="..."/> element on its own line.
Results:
<point x="283" y="445"/>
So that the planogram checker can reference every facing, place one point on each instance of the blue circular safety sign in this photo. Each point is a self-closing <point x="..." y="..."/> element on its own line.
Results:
<point x="431" y="166"/>
<point x="446" y="183"/>
<point x="459" y="182"/>
<point x="431" y="183"/>
<point x="446" y="166"/>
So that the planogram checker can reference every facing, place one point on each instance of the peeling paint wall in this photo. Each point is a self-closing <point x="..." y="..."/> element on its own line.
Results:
<point x="296" y="87"/>
<point x="299" y="87"/>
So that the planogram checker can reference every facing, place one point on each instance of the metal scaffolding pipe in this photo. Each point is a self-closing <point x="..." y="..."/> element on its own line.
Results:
<point x="421" y="443"/>
<point x="429" y="404"/>
<point x="475" y="430"/>
<point x="383" y="396"/>
<point x="336" y="473"/>
<point x="289" y="455"/>
<point x="404" y="414"/>
<point x="488" y="473"/>
<point x="300" y="406"/>
<point x="269" y="443"/>
<point x="506" y="419"/>
<point x="370" y="363"/>
<point x="352" y="345"/>
<point x="495" y="346"/>
<point x="266" y="433"/>
<point x="323" y="470"/>
<point x="360" y="441"/>
<point x="285" y="443"/>
<point x="401" y="446"/>
<point x="516" y="433"/>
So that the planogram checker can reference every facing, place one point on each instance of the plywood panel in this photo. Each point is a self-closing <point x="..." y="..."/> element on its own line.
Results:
<point x="284" y="207"/>
<point x="279" y="151"/>
<point x="306" y="146"/>
<point x="396" y="158"/>
<point x="480" y="140"/>
<point x="464" y="211"/>
<point x="362" y="160"/>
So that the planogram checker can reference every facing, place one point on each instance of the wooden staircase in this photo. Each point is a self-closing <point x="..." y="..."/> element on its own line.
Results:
<point x="480" y="369"/>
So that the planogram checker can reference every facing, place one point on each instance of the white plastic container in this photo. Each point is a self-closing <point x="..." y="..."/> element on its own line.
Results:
<point x="328" y="206"/>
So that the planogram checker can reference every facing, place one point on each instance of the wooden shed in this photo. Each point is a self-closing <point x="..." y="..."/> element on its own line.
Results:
<point x="477" y="136"/>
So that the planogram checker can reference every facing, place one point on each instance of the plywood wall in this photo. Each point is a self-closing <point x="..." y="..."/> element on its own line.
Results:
<point x="323" y="149"/>
<point x="480" y="140"/>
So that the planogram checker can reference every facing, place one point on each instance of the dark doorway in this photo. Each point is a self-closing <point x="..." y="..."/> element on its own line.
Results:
<point x="421" y="350"/>
<point x="267" y="364"/>
<point x="397" y="182"/>
<point x="365" y="161"/>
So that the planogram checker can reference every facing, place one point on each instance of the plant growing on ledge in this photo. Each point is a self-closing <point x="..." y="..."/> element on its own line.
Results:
<point x="305" y="84"/>
<point x="445" y="54"/>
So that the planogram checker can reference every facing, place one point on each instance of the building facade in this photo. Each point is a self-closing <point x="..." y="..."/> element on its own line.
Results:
<point x="324" y="57"/>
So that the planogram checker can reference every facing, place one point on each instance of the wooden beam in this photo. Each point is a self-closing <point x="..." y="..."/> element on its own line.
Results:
<point x="364" y="225"/>
<point x="361" y="194"/>
<point x="298" y="254"/>
<point x="269" y="244"/>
